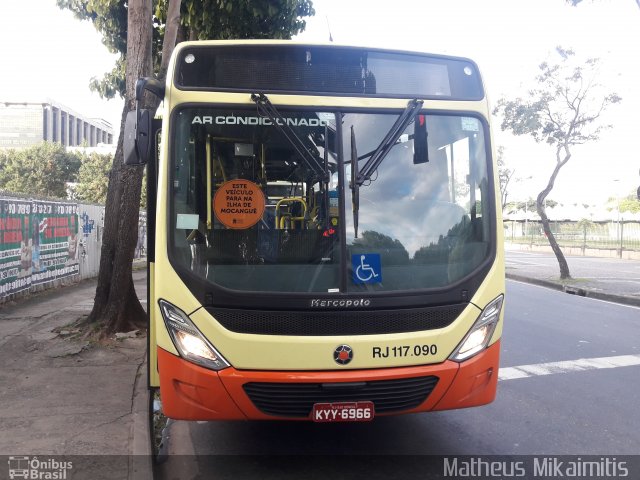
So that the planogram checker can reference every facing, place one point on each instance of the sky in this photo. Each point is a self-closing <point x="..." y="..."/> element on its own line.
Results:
<point x="46" y="53"/>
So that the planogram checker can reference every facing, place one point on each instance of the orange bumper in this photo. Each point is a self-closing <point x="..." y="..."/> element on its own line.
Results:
<point x="190" y="392"/>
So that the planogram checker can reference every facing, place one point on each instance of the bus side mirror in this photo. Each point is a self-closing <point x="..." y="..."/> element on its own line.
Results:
<point x="138" y="126"/>
<point x="137" y="137"/>
<point x="420" y="147"/>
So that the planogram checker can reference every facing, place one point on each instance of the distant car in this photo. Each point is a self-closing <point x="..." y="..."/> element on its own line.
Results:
<point x="280" y="189"/>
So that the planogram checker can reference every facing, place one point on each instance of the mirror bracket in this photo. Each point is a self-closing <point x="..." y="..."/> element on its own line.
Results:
<point x="138" y="129"/>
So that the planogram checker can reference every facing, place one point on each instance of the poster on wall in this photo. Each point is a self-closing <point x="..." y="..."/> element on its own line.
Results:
<point x="38" y="243"/>
<point x="54" y="230"/>
<point x="15" y="245"/>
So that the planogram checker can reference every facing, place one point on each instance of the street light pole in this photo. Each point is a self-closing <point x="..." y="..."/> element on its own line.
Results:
<point x="526" y="219"/>
<point x="619" y="226"/>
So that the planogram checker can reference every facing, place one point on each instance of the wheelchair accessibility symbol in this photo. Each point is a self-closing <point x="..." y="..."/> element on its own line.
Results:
<point x="366" y="268"/>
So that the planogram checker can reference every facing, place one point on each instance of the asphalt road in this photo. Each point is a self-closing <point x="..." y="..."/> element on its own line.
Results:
<point x="557" y="409"/>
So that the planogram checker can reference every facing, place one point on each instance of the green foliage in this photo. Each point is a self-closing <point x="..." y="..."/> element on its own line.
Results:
<point x="229" y="19"/>
<point x="391" y="250"/>
<point x="585" y="224"/>
<point x="629" y="204"/>
<point x="93" y="178"/>
<point x="112" y="82"/>
<point x="504" y="174"/>
<point x="434" y="253"/>
<point x="449" y="248"/>
<point x="42" y="169"/>
<point x="200" y="19"/>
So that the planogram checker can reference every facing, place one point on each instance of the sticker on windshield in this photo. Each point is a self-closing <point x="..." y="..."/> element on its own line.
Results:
<point x="470" y="124"/>
<point x="366" y="268"/>
<point x="186" y="221"/>
<point x="239" y="204"/>
<point x="327" y="117"/>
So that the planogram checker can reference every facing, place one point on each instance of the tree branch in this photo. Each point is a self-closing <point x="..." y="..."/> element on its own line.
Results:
<point x="170" y="35"/>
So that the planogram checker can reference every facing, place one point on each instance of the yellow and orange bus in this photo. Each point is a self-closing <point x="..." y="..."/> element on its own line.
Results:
<point x="325" y="233"/>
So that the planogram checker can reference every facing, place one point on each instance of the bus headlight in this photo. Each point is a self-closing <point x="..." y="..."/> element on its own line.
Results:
<point x="480" y="334"/>
<point x="190" y="343"/>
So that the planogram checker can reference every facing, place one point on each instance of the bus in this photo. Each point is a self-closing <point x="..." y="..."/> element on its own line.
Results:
<point x="325" y="234"/>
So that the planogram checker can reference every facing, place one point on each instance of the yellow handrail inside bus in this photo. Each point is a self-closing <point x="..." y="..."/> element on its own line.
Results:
<point x="209" y="191"/>
<point x="281" y="220"/>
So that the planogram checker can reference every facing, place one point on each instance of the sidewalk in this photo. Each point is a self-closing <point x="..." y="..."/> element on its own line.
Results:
<point x="610" y="279"/>
<point x="68" y="397"/>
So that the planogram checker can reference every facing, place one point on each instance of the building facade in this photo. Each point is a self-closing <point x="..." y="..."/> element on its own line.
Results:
<point x="23" y="124"/>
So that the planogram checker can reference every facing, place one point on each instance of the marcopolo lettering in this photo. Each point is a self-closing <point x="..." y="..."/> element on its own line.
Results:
<point x="344" y="303"/>
<point x="254" y="121"/>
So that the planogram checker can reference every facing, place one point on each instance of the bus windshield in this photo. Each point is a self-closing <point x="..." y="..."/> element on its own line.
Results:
<point x="252" y="210"/>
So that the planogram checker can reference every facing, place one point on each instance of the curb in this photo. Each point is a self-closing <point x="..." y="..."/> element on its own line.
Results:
<point x="140" y="461"/>
<point x="573" y="290"/>
<point x="139" y="264"/>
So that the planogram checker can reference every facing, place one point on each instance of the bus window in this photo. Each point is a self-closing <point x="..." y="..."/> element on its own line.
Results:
<point x="286" y="240"/>
<point x="414" y="216"/>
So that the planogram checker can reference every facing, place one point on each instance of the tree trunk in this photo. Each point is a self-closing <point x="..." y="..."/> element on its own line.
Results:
<point x="540" y="207"/>
<point x="171" y="29"/>
<point x="116" y="305"/>
<point x="505" y="192"/>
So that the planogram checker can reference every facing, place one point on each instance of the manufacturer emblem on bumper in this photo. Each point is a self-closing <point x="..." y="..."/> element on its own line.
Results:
<point x="343" y="354"/>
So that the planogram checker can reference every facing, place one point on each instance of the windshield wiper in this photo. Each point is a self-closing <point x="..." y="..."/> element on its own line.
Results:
<point x="388" y="142"/>
<point x="359" y="177"/>
<point x="266" y="108"/>
<point x="355" y="190"/>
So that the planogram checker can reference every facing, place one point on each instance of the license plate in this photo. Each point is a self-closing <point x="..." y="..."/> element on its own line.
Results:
<point x="343" y="412"/>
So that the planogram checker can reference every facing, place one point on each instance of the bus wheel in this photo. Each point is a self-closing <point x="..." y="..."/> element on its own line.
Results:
<point x="158" y="428"/>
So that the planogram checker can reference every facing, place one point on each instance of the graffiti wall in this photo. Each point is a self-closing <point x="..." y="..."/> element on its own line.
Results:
<point x="15" y="252"/>
<point x="45" y="241"/>
<point x="38" y="243"/>
<point x="91" y="218"/>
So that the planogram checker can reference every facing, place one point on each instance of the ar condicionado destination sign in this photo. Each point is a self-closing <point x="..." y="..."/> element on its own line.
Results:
<point x="239" y="204"/>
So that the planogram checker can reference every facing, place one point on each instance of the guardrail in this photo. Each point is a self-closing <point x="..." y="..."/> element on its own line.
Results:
<point x="586" y="235"/>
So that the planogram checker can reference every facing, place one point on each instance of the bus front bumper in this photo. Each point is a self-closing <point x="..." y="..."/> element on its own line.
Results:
<point x="190" y="392"/>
